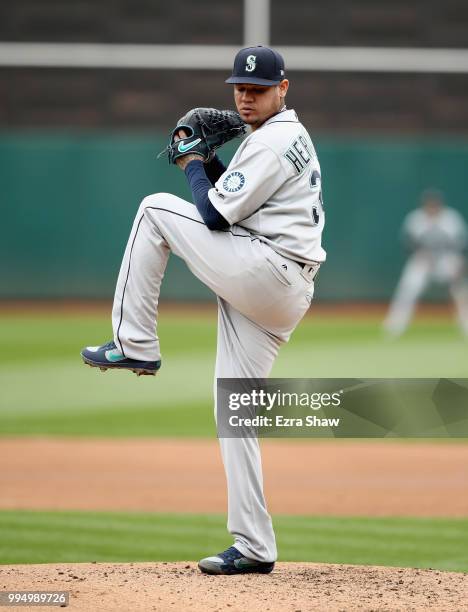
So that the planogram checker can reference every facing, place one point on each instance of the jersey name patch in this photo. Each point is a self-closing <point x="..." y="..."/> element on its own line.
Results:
<point x="299" y="154"/>
<point x="234" y="182"/>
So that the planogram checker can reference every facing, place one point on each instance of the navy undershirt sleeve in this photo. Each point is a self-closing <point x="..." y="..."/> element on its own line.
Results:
<point x="214" y="169"/>
<point x="200" y="185"/>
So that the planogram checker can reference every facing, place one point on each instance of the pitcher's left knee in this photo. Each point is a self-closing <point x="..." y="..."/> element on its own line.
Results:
<point x="156" y="201"/>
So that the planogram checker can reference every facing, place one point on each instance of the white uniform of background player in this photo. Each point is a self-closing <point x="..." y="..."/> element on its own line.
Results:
<point x="437" y="234"/>
<point x="261" y="268"/>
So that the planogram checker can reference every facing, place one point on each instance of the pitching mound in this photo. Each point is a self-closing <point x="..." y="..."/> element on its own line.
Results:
<point x="291" y="587"/>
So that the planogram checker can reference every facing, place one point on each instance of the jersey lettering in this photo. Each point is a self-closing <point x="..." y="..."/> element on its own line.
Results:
<point x="298" y="154"/>
<point x="315" y="215"/>
<point x="316" y="181"/>
<point x="305" y="144"/>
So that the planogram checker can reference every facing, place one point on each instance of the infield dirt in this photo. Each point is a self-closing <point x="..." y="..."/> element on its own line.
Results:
<point x="326" y="477"/>
<point x="349" y="478"/>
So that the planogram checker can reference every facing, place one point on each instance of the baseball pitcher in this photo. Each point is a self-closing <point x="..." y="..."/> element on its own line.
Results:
<point x="253" y="236"/>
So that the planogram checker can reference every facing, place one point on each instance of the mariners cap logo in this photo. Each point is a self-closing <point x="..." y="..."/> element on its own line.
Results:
<point x="251" y="63"/>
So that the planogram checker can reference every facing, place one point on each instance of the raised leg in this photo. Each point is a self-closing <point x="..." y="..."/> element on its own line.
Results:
<point x="234" y="264"/>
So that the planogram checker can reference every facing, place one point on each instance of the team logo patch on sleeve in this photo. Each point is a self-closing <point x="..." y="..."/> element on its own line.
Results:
<point x="234" y="182"/>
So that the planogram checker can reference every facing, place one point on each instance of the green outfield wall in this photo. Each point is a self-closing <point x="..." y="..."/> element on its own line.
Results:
<point x="68" y="201"/>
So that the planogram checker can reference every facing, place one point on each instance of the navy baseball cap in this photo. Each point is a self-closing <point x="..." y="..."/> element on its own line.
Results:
<point x="257" y="65"/>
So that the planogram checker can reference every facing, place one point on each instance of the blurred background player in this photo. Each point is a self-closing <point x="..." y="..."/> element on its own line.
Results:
<point x="436" y="235"/>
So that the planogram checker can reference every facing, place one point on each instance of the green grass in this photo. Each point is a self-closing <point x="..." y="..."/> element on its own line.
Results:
<point x="53" y="537"/>
<point x="45" y="389"/>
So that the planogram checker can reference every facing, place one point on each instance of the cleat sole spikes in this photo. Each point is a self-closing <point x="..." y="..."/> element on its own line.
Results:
<point x="144" y="372"/>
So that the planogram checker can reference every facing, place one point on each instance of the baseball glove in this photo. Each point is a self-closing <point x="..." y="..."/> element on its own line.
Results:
<point x="206" y="129"/>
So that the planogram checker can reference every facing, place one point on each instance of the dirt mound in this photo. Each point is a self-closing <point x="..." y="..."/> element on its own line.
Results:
<point x="291" y="587"/>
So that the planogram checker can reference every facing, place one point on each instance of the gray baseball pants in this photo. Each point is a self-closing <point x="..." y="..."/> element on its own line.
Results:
<point x="419" y="271"/>
<point x="262" y="296"/>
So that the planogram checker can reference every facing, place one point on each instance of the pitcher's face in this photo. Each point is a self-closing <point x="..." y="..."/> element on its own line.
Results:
<point x="257" y="103"/>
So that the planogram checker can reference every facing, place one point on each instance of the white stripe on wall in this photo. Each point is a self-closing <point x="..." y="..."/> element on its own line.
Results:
<point x="213" y="57"/>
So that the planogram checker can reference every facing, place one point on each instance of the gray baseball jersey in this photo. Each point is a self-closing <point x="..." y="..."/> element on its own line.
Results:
<point x="445" y="231"/>
<point x="272" y="187"/>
